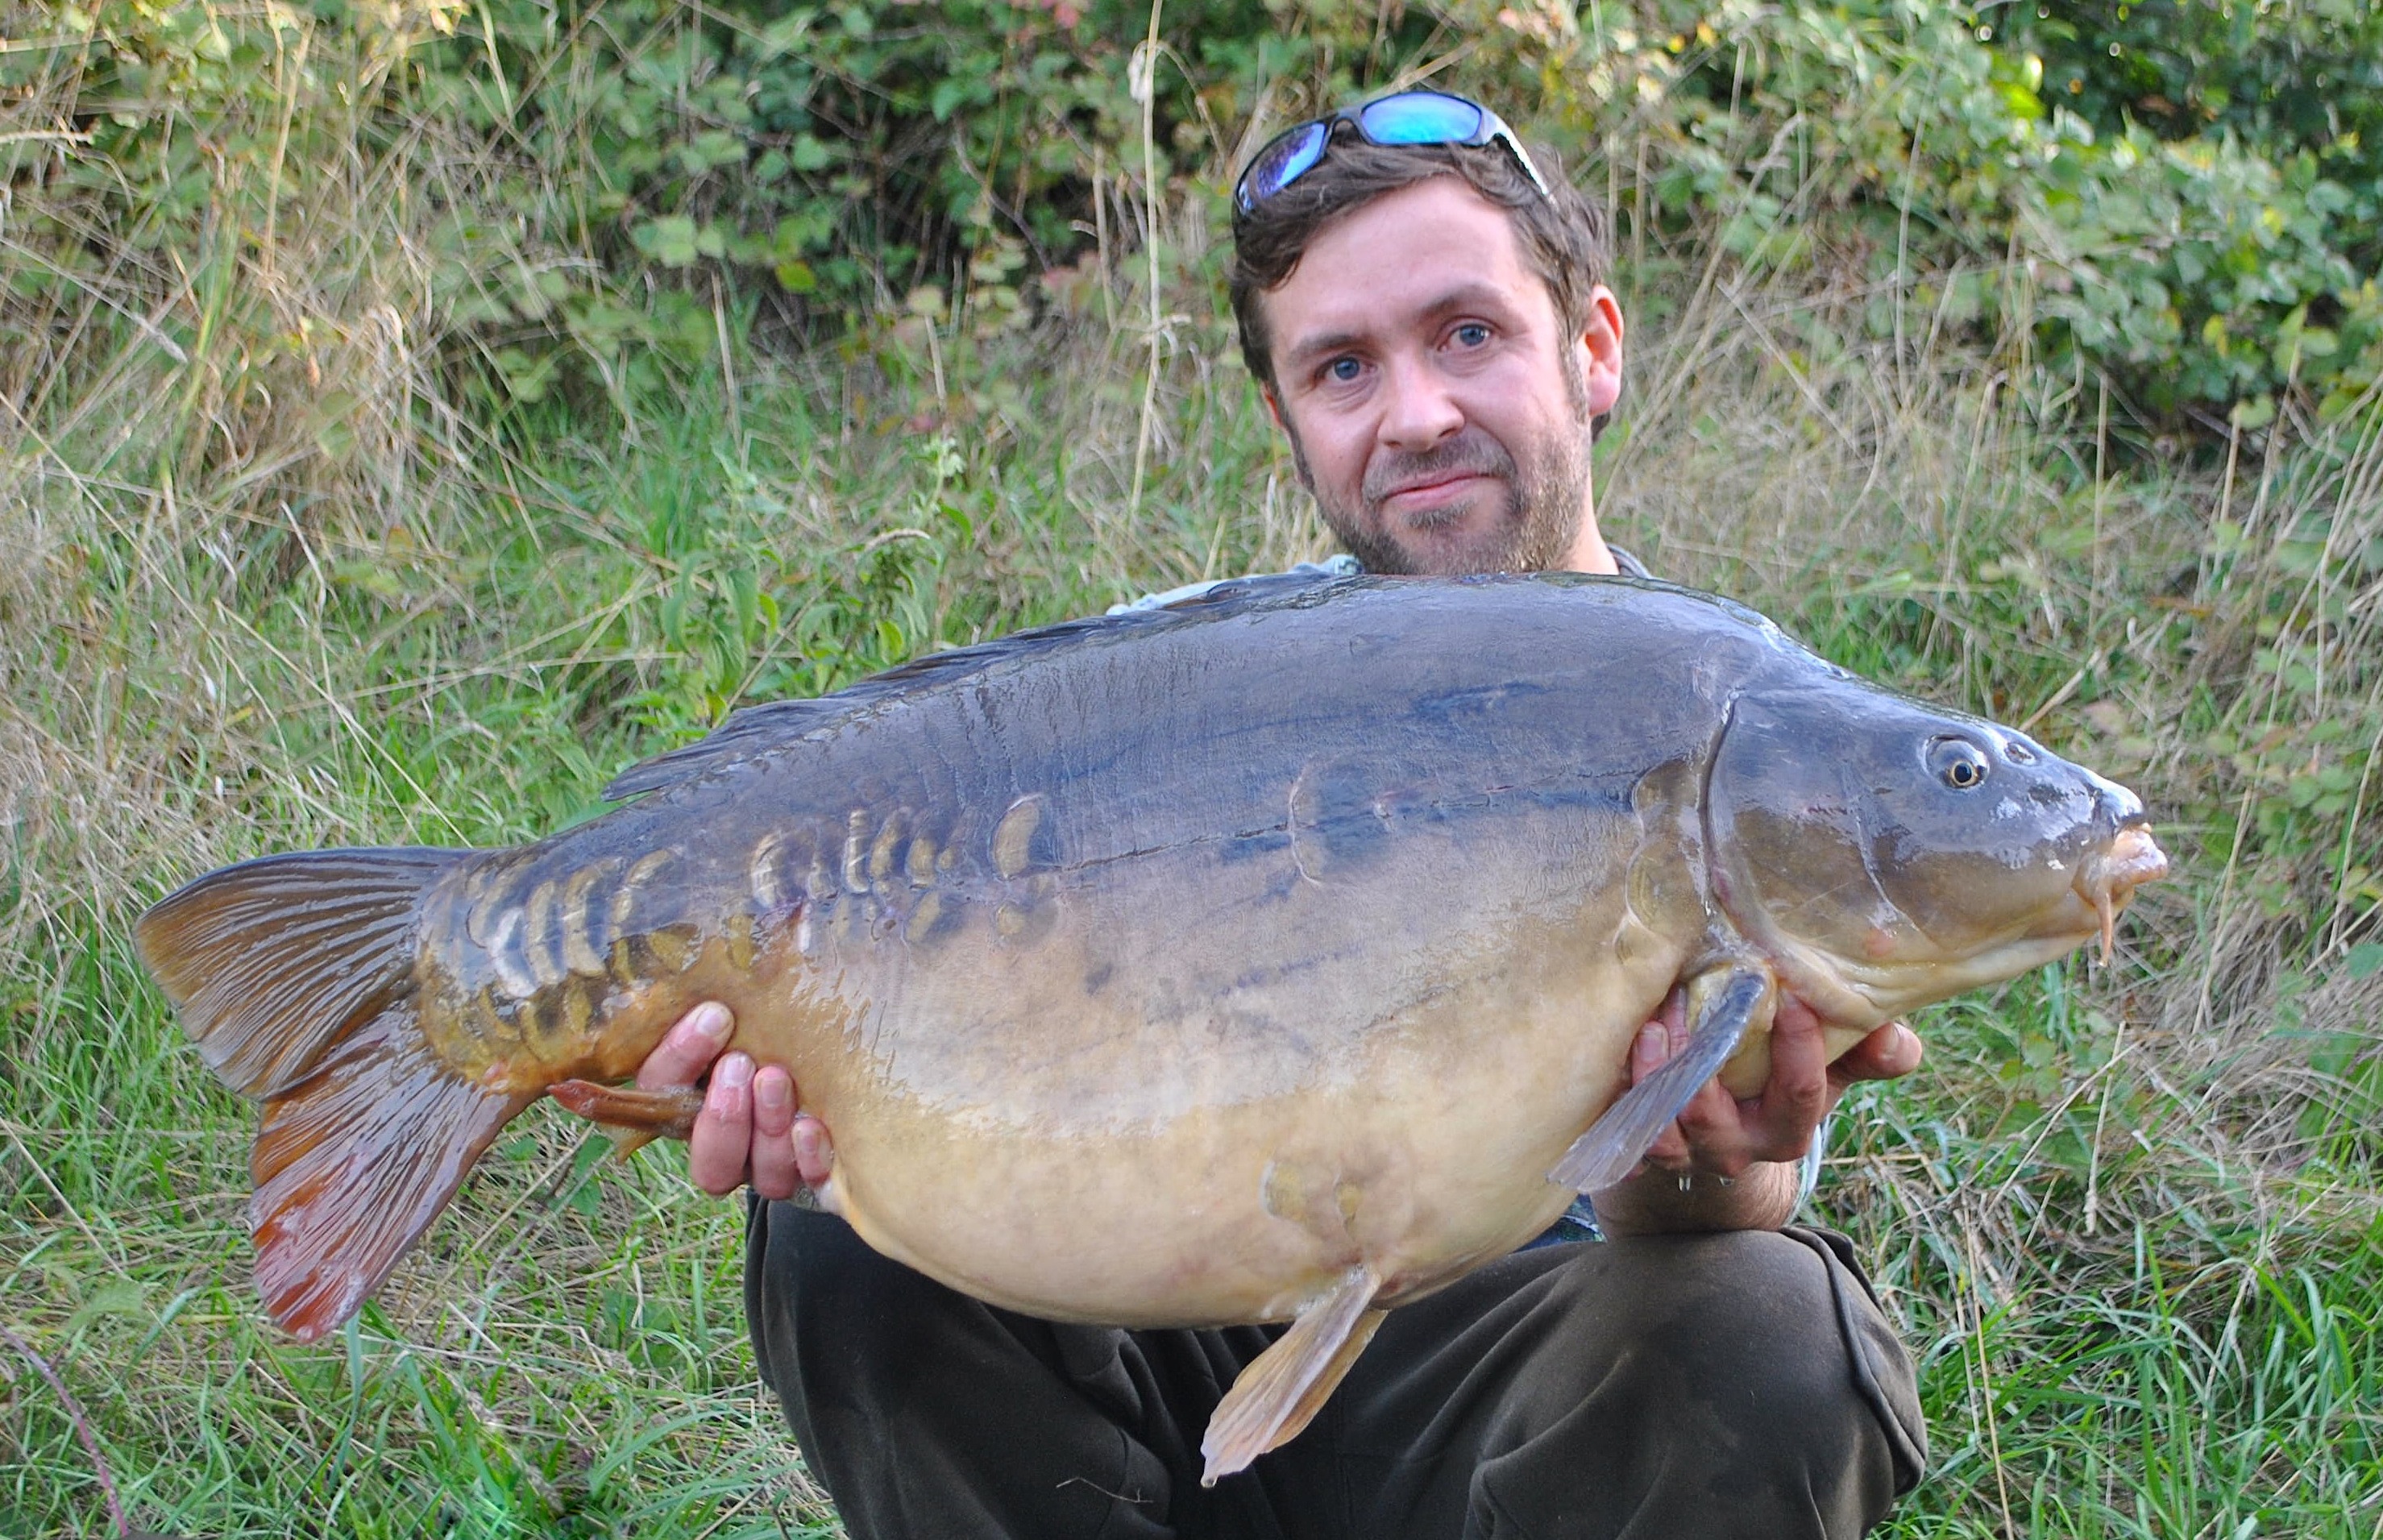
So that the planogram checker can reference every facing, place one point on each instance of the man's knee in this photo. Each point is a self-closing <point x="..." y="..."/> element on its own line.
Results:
<point x="1719" y="1384"/>
<point x="1730" y="1309"/>
<point x="1769" y="1341"/>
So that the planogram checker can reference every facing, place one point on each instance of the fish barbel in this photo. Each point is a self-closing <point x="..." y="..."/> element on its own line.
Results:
<point x="1272" y="956"/>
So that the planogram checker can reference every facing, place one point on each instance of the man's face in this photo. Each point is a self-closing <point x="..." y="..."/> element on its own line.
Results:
<point x="1436" y="407"/>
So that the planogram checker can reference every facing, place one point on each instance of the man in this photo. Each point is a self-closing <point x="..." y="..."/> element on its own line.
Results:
<point x="1425" y="315"/>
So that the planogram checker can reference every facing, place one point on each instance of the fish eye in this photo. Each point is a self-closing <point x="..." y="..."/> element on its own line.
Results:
<point x="1958" y="763"/>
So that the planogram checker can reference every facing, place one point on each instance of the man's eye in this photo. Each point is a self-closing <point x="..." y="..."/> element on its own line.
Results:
<point x="1472" y="334"/>
<point x="1342" y="370"/>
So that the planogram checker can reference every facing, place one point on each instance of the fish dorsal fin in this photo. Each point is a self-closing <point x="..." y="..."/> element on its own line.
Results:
<point x="756" y="731"/>
<point x="1285" y="1387"/>
<point x="1727" y="1004"/>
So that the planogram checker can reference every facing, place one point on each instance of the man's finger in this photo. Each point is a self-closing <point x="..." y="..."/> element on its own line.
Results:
<point x="689" y="1048"/>
<point x="1777" y="1126"/>
<point x="774" y="1165"/>
<point x="773" y="1102"/>
<point x="718" y="1150"/>
<point x="1799" y="1093"/>
<point x="1649" y="1052"/>
<point x="1712" y="1132"/>
<point x="814" y="1157"/>
<point x="1891" y="1053"/>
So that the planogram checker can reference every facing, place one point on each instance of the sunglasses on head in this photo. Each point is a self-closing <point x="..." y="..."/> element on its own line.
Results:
<point x="1409" y="117"/>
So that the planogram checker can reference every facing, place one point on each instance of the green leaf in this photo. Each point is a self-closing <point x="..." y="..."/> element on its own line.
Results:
<point x="2255" y="413"/>
<point x="527" y="377"/>
<point x="715" y="147"/>
<point x="118" y="1297"/>
<point x="670" y="241"/>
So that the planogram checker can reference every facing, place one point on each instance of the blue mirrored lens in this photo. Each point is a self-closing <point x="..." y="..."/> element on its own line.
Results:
<point x="1286" y="162"/>
<point x="1420" y="119"/>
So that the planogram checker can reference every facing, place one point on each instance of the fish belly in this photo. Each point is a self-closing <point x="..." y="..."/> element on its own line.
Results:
<point x="1163" y="1152"/>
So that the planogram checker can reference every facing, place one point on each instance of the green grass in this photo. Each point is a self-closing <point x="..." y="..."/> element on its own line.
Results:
<point x="566" y="1355"/>
<point x="2128" y="1216"/>
<point x="2187" y="1360"/>
<point x="2131" y="1322"/>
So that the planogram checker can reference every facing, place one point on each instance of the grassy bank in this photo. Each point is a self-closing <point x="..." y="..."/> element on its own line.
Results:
<point x="276" y="570"/>
<point x="2127" y="1215"/>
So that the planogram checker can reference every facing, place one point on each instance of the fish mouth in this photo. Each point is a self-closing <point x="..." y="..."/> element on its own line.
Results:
<point x="2108" y="879"/>
<point x="1852" y="991"/>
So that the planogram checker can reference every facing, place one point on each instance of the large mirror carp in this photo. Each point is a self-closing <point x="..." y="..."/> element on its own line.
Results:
<point x="1272" y="956"/>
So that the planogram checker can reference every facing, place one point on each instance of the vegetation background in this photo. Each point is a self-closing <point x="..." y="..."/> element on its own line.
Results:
<point x="413" y="411"/>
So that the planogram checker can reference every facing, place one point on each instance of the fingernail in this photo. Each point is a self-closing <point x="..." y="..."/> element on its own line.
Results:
<point x="771" y="1092"/>
<point x="1650" y="1046"/>
<point x="712" y="1022"/>
<point x="811" y="1151"/>
<point x="735" y="1072"/>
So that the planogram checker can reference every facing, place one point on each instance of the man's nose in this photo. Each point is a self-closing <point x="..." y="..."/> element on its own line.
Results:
<point x="1420" y="410"/>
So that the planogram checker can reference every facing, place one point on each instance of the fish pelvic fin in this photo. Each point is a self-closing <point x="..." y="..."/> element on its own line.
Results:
<point x="1284" y="1387"/>
<point x="1728" y="1004"/>
<point x="294" y="975"/>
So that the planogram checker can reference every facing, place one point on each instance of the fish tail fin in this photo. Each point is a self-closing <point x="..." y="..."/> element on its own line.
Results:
<point x="272" y="961"/>
<point x="353" y="1164"/>
<point x="294" y="975"/>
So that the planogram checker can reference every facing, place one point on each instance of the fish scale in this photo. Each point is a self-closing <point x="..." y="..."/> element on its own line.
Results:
<point x="1255" y="959"/>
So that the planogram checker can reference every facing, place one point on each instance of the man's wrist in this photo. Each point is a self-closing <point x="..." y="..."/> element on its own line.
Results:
<point x="1669" y="1203"/>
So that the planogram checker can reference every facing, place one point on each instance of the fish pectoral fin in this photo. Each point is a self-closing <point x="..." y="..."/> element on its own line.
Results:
<point x="1284" y="1386"/>
<point x="1728" y="1003"/>
<point x="634" y="1118"/>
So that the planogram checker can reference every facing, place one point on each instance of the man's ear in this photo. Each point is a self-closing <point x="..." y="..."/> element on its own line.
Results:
<point x="1274" y="407"/>
<point x="1602" y="341"/>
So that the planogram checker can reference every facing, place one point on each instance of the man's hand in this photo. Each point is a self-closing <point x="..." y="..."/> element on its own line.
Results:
<point x="1719" y="1134"/>
<point x="1725" y="1163"/>
<point x="752" y="1129"/>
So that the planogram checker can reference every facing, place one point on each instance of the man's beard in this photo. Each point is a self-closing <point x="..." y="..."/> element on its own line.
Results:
<point x="1532" y="532"/>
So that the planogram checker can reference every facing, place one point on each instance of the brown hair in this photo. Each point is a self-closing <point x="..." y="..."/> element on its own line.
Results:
<point x="1562" y="236"/>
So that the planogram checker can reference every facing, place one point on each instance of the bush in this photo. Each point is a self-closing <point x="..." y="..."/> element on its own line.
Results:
<point x="855" y="152"/>
<point x="2186" y="198"/>
<point x="1900" y="141"/>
